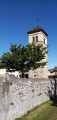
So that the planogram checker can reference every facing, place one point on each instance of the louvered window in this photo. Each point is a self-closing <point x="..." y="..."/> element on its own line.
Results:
<point x="36" y="38"/>
<point x="33" y="39"/>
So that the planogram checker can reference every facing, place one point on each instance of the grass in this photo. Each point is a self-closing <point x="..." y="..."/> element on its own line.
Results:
<point x="47" y="111"/>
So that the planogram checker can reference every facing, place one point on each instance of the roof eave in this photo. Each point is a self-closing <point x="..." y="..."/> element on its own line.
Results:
<point x="30" y="32"/>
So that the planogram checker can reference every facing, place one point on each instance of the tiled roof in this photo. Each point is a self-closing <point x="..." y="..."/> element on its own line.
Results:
<point x="51" y="70"/>
<point x="55" y="69"/>
<point x="37" y="29"/>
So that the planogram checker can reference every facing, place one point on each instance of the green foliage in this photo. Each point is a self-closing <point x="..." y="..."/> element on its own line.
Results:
<point x="52" y="76"/>
<point x="21" y="58"/>
<point x="20" y="75"/>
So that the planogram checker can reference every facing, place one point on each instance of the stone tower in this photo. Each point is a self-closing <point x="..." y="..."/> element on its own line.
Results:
<point x="38" y="36"/>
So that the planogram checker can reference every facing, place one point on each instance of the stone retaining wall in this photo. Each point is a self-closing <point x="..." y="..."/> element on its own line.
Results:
<point x="17" y="96"/>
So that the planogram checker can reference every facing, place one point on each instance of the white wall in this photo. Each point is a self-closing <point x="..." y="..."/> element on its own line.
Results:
<point x="3" y="71"/>
<point x="40" y="35"/>
<point x="41" y="72"/>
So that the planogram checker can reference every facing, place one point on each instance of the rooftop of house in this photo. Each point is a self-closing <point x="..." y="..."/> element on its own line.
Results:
<point x="37" y="29"/>
<point x="53" y="70"/>
<point x="50" y="70"/>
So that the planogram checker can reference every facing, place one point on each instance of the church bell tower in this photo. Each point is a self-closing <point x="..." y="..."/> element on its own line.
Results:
<point x="38" y="36"/>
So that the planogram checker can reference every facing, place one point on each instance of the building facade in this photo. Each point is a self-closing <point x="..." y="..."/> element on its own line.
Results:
<point x="4" y="72"/>
<point x="38" y="36"/>
<point x="53" y="71"/>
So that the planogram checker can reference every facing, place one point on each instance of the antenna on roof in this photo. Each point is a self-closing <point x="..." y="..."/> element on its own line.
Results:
<point x="37" y="21"/>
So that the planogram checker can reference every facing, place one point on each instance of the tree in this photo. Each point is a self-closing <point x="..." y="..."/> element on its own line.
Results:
<point x="23" y="58"/>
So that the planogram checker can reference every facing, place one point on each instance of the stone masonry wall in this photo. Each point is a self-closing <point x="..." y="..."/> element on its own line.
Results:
<point x="17" y="96"/>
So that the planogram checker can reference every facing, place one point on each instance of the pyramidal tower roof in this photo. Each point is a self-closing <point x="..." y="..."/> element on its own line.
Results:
<point x="37" y="29"/>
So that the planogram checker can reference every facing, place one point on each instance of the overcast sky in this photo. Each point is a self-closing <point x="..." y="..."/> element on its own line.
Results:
<point x="17" y="17"/>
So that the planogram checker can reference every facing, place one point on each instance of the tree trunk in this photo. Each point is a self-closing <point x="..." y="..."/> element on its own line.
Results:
<point x="22" y="74"/>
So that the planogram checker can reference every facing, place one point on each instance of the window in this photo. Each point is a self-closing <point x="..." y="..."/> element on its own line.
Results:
<point x="44" y="40"/>
<point x="36" y="38"/>
<point x="33" y="39"/>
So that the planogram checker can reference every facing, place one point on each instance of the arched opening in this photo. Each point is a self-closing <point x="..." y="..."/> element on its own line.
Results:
<point x="35" y="75"/>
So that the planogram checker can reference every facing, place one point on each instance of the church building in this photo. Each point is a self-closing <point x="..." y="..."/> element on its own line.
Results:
<point x="38" y="36"/>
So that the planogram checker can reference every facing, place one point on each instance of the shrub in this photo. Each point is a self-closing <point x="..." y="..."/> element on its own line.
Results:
<point x="52" y="76"/>
<point x="20" y="75"/>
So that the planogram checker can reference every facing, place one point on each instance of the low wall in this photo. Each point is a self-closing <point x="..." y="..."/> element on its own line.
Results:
<point x="17" y="96"/>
